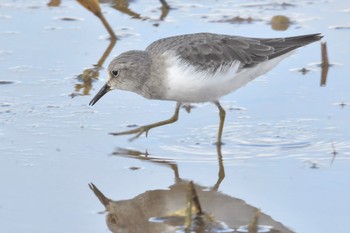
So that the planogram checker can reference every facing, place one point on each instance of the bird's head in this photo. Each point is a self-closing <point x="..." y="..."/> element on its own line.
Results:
<point x="127" y="72"/>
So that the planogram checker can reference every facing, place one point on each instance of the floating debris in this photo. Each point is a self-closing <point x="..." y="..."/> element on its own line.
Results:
<point x="339" y="27"/>
<point x="5" y="105"/>
<point x="236" y="20"/>
<point x="74" y="94"/>
<point x="334" y="153"/>
<point x="132" y="126"/>
<point x="304" y="70"/>
<point x="342" y="104"/>
<point x="272" y="4"/>
<point x="134" y="168"/>
<point x="52" y="28"/>
<point x="6" y="82"/>
<point x="280" y="23"/>
<point x="69" y="18"/>
<point x="314" y="166"/>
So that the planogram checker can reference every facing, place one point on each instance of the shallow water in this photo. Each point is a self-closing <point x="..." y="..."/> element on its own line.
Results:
<point x="287" y="138"/>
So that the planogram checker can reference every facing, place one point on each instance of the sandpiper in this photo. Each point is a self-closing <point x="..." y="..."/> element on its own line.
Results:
<point x="196" y="68"/>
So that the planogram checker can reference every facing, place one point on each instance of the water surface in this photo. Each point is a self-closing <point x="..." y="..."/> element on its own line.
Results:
<point x="287" y="138"/>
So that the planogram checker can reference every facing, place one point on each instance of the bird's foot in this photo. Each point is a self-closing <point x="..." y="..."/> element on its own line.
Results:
<point x="138" y="132"/>
<point x="145" y="128"/>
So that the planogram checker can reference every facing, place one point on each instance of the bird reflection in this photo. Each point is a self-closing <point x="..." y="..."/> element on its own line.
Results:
<point x="165" y="211"/>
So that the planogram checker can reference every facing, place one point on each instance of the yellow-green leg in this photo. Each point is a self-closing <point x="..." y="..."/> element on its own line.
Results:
<point x="222" y="115"/>
<point x="144" y="129"/>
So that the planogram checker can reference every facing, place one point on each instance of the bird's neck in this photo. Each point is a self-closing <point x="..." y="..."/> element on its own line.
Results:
<point x="153" y="86"/>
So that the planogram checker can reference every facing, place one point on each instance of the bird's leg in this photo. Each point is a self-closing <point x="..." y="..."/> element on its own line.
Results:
<point x="145" y="128"/>
<point x="222" y="115"/>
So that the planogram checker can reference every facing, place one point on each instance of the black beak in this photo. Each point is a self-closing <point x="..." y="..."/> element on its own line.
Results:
<point x="106" y="88"/>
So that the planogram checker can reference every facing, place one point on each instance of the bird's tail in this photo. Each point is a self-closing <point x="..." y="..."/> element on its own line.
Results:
<point x="288" y="44"/>
<point x="303" y="40"/>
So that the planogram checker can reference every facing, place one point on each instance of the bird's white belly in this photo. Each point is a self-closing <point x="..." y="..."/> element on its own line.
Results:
<point x="184" y="84"/>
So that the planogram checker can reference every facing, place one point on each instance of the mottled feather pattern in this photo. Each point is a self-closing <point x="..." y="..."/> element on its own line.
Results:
<point x="213" y="52"/>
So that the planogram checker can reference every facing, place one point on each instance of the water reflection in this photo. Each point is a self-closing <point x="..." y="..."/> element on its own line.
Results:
<point x="236" y="20"/>
<point x="89" y="75"/>
<point x="278" y="22"/>
<point x="324" y="64"/>
<point x="334" y="153"/>
<point x="54" y="3"/>
<point x="135" y="154"/>
<point x="165" y="211"/>
<point x="123" y="6"/>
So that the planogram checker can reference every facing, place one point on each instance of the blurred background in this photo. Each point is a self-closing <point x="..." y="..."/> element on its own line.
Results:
<point x="286" y="135"/>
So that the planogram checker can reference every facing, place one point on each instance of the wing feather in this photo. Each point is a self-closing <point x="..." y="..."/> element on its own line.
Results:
<point x="211" y="52"/>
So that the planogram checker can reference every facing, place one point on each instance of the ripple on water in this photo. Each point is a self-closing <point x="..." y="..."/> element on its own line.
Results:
<point x="298" y="139"/>
<point x="268" y="142"/>
<point x="260" y="229"/>
<point x="5" y="52"/>
<point x="178" y="222"/>
<point x="21" y="68"/>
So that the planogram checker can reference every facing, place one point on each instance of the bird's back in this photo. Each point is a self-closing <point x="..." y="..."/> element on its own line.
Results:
<point x="203" y="67"/>
<point x="210" y="52"/>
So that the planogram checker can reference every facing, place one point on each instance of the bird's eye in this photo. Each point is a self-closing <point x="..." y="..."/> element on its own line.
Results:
<point x="115" y="73"/>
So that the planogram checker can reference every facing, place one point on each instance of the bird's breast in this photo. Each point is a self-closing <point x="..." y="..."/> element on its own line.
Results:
<point x="185" y="83"/>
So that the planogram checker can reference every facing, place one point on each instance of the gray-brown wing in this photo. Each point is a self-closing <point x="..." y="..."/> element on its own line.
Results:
<point x="210" y="52"/>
